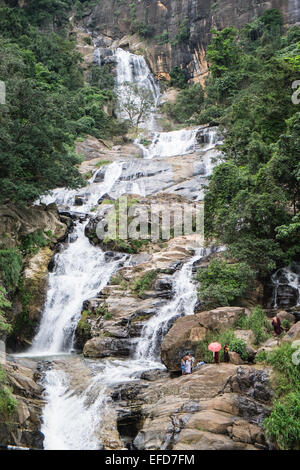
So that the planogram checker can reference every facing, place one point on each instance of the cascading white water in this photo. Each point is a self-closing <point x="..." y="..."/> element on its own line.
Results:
<point x="171" y="144"/>
<point x="80" y="272"/>
<point x="65" y="198"/>
<point x="182" y="304"/>
<point x="288" y="277"/>
<point x="132" y="68"/>
<point x="71" y="421"/>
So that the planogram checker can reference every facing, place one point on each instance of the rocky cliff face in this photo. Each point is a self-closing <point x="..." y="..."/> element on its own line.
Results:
<point x="177" y="31"/>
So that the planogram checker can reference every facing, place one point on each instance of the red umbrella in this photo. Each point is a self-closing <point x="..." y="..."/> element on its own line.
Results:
<point x="214" y="347"/>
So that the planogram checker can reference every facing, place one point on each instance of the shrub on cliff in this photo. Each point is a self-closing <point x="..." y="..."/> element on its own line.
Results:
<point x="253" y="199"/>
<point x="8" y="403"/>
<point x="258" y="323"/>
<point x="223" y="284"/>
<point x="225" y="337"/>
<point x="283" y="424"/>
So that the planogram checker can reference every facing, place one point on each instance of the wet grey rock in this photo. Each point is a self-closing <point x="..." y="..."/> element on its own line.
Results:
<point x="155" y="374"/>
<point x="253" y="383"/>
<point x="106" y="347"/>
<point x="79" y="200"/>
<point x="113" y="256"/>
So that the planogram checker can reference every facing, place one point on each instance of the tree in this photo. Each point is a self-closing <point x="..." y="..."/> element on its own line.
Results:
<point x="134" y="103"/>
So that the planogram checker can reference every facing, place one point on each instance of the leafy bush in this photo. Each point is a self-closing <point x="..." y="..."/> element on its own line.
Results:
<point x="283" y="424"/>
<point x="222" y="283"/>
<point x="10" y="268"/>
<point x="286" y="324"/>
<point x="258" y="323"/>
<point x="225" y="337"/>
<point x="145" y="30"/>
<point x="4" y="303"/>
<point x="178" y="78"/>
<point x="188" y="103"/>
<point x="8" y="403"/>
<point x="144" y="283"/>
<point x="32" y="242"/>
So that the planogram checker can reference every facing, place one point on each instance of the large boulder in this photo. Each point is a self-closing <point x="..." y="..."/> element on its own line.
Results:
<point x="102" y="346"/>
<point x="23" y="426"/>
<point x="16" y="223"/>
<point x="188" y="331"/>
<point x="35" y="279"/>
<point x="220" y="318"/>
<point x="183" y="336"/>
<point x="293" y="334"/>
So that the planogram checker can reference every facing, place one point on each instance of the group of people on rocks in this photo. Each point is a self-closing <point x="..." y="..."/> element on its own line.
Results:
<point x="226" y="355"/>
<point x="187" y="361"/>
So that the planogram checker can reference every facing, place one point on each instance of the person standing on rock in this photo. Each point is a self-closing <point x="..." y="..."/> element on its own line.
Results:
<point x="192" y="359"/>
<point x="188" y="364"/>
<point x="226" y="353"/>
<point x="182" y="363"/>
<point x="277" y="325"/>
<point x="216" y="357"/>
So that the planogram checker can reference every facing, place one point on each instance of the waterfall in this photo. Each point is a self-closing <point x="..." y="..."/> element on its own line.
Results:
<point x="171" y="144"/>
<point x="80" y="273"/>
<point x="286" y="285"/>
<point x="65" y="198"/>
<point x="293" y="12"/>
<point x="74" y="418"/>
<point x="132" y="68"/>
<point x="182" y="304"/>
<point x="71" y="421"/>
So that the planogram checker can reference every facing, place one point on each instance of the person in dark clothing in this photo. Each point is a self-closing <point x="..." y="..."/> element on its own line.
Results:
<point x="277" y="325"/>
<point x="216" y="357"/>
<point x="226" y="353"/>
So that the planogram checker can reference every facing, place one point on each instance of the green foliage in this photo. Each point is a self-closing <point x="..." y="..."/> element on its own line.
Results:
<point x="162" y="38"/>
<point x="47" y="103"/>
<point x="8" y="403"/>
<point x="10" y="268"/>
<point x="225" y="337"/>
<point x="223" y="284"/>
<point x="286" y="324"/>
<point x="102" y="162"/>
<point x="258" y="323"/>
<point x="32" y="242"/>
<point x="4" y="303"/>
<point x="252" y="202"/>
<point x="222" y="52"/>
<point x="188" y="103"/>
<point x="178" y="78"/>
<point x="283" y="424"/>
<point x="144" y="283"/>
<point x="183" y="33"/>
<point x="145" y="30"/>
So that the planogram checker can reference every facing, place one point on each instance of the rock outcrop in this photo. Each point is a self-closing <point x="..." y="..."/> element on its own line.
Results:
<point x="23" y="427"/>
<point x="188" y="331"/>
<point x="217" y="407"/>
<point x="178" y="31"/>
